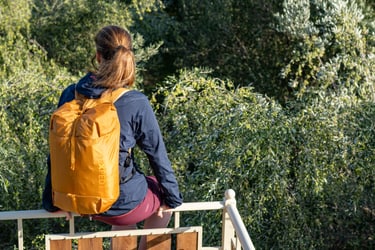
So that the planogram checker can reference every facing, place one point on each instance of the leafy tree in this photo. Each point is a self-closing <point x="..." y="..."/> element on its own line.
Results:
<point x="281" y="48"/>
<point x="66" y="30"/>
<point x="301" y="173"/>
<point x="329" y="47"/>
<point x="30" y="83"/>
<point x="243" y="41"/>
<point x="28" y="87"/>
<point x="302" y="167"/>
<point x="226" y="36"/>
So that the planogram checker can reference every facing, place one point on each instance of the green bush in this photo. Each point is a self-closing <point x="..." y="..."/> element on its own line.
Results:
<point x="299" y="172"/>
<point x="27" y="98"/>
<point x="66" y="30"/>
<point x="329" y="45"/>
<point x="29" y="89"/>
<point x="281" y="48"/>
<point x="302" y="168"/>
<point x="223" y="137"/>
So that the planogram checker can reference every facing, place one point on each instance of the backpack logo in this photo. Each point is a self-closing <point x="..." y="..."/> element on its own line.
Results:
<point x="84" y="138"/>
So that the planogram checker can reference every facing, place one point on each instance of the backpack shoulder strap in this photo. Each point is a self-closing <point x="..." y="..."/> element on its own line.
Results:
<point x="116" y="94"/>
<point x="113" y="95"/>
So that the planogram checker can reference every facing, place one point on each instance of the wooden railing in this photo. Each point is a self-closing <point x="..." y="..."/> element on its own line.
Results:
<point x="234" y="233"/>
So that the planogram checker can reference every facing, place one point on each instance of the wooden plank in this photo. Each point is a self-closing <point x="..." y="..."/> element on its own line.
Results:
<point x="187" y="241"/>
<point x="124" y="243"/>
<point x="90" y="244"/>
<point x="159" y="242"/>
<point x="61" y="244"/>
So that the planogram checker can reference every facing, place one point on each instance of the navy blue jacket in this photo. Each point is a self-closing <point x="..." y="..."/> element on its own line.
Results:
<point x="138" y="127"/>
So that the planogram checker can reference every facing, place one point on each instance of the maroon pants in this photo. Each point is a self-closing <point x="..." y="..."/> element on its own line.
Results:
<point x="145" y="209"/>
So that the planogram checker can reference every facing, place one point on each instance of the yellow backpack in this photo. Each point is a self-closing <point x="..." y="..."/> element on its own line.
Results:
<point x="84" y="138"/>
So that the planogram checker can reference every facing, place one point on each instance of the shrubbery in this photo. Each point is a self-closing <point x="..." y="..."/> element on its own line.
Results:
<point x="300" y="157"/>
<point x="304" y="175"/>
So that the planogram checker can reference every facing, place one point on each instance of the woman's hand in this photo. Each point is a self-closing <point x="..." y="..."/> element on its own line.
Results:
<point x="68" y="215"/>
<point x="162" y="210"/>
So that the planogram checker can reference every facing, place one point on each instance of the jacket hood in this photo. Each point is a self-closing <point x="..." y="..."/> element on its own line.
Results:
<point x="86" y="87"/>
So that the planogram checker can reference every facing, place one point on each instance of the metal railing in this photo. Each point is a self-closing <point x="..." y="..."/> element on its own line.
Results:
<point x="234" y="232"/>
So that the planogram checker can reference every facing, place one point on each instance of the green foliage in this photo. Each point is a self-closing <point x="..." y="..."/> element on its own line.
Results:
<point x="221" y="137"/>
<point x="281" y="48"/>
<point x="66" y="30"/>
<point x="27" y="99"/>
<point x="298" y="171"/>
<point x="230" y="37"/>
<point x="12" y="36"/>
<point x="329" y="46"/>
<point x="29" y="87"/>
<point x="302" y="168"/>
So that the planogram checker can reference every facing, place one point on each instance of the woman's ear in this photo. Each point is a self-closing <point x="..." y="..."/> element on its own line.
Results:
<point x="98" y="57"/>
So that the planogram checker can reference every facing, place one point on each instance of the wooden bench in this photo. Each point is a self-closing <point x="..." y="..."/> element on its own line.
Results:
<point x="186" y="238"/>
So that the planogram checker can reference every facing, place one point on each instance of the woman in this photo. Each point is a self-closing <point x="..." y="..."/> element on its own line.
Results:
<point x="141" y="198"/>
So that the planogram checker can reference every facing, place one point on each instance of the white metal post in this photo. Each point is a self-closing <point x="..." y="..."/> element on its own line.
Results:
<point x="20" y="234"/>
<point x="235" y="218"/>
<point x="71" y="226"/>
<point x="227" y="228"/>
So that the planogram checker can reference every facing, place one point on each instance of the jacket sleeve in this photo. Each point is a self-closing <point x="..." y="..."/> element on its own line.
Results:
<point x="47" y="203"/>
<point x="150" y="140"/>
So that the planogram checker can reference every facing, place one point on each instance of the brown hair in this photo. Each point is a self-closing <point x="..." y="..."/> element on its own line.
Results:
<point x="117" y="63"/>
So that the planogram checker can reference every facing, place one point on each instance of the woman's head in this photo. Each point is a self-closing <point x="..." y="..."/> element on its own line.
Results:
<point x="115" y="56"/>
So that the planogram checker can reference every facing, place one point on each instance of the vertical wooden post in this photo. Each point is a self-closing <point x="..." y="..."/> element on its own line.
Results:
<point x="158" y="242"/>
<point x="60" y="244"/>
<point x="187" y="241"/>
<point x="124" y="243"/>
<point x="91" y="243"/>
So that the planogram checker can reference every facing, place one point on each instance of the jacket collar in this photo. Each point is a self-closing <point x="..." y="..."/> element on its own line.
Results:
<point x="86" y="87"/>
